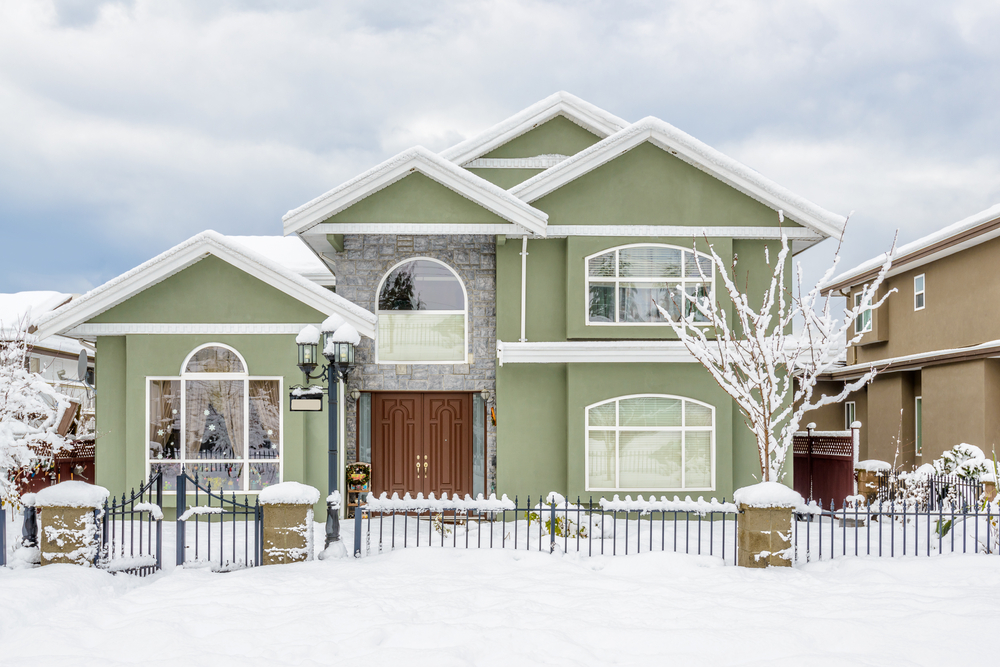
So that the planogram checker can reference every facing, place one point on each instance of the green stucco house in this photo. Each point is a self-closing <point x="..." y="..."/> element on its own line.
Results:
<point x="504" y="290"/>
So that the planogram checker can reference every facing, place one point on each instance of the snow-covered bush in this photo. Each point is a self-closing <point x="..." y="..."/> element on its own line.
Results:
<point x="755" y="357"/>
<point x="30" y="412"/>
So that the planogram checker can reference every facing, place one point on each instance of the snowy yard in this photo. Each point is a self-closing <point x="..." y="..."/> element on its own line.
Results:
<point x="494" y="607"/>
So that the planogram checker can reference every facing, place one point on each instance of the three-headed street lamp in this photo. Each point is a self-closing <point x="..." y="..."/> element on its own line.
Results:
<point x="339" y="340"/>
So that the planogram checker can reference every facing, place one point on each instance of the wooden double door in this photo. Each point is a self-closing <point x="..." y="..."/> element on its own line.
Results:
<point x="422" y="443"/>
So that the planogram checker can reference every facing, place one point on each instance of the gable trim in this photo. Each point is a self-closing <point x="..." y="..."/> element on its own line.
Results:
<point x="418" y="159"/>
<point x="159" y="328"/>
<point x="694" y="152"/>
<point x="791" y="233"/>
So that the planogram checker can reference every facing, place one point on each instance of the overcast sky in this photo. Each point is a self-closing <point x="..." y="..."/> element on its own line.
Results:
<point x="129" y="125"/>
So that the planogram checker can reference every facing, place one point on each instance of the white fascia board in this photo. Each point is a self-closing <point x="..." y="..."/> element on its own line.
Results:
<point x="183" y="255"/>
<point x="791" y="233"/>
<point x="695" y="153"/>
<point x="581" y="112"/>
<point x="325" y="228"/>
<point x="417" y="159"/>
<point x="605" y="351"/>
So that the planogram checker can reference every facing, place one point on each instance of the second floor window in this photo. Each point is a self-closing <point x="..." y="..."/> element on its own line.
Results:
<point x="864" y="322"/>
<point x="918" y="292"/>
<point x="625" y="284"/>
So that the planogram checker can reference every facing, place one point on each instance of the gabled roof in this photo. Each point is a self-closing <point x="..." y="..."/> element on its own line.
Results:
<point x="583" y="113"/>
<point x="695" y="153"/>
<point x="971" y="231"/>
<point x="185" y="254"/>
<point x="292" y="253"/>
<point x="416" y="159"/>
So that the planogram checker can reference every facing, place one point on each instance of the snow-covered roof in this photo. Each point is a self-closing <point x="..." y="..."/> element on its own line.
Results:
<point x="185" y="254"/>
<point x="971" y="231"/>
<point x="290" y="252"/>
<point x="694" y="152"/>
<point x="23" y="308"/>
<point x="418" y="158"/>
<point x="581" y="112"/>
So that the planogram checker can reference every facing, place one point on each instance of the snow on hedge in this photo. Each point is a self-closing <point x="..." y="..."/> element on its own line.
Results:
<point x="768" y="494"/>
<point x="873" y="465"/>
<point x="700" y="506"/>
<point x="407" y="503"/>
<point x="289" y="493"/>
<point x="72" y="494"/>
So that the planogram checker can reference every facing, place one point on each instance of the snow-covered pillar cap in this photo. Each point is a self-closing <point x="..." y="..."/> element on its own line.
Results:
<point x="72" y="494"/>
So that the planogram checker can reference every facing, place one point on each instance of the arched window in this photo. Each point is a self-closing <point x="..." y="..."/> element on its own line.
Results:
<point x="422" y="314"/>
<point x="650" y="443"/>
<point x="623" y="283"/>
<point x="215" y="421"/>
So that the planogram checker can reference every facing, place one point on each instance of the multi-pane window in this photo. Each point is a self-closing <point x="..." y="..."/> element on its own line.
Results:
<point x="217" y="422"/>
<point x="422" y="314"/>
<point x="863" y="323"/>
<point x="650" y="443"/>
<point x="850" y="413"/>
<point x="918" y="292"/>
<point x="624" y="285"/>
<point x="918" y="418"/>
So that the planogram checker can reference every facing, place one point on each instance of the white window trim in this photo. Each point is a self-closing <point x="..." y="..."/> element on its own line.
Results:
<point x="850" y="414"/>
<point x="587" y="428"/>
<point x="868" y="325"/>
<point x="918" y="418"/>
<point x="247" y="378"/>
<point x="616" y="280"/>
<point x="193" y="352"/>
<point x="922" y="292"/>
<point x="465" y="314"/>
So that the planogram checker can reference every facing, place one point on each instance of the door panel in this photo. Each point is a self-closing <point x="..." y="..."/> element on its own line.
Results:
<point x="448" y="442"/>
<point x="396" y="443"/>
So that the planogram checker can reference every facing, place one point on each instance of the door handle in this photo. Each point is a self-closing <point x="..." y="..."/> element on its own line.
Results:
<point x="425" y="467"/>
<point x="418" y="468"/>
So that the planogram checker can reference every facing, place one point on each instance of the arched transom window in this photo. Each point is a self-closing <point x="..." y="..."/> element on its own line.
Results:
<point x="623" y="283"/>
<point x="215" y="421"/>
<point x="422" y="314"/>
<point x="650" y="443"/>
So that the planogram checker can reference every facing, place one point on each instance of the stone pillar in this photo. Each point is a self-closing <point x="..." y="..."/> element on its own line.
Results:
<point x="764" y="536"/>
<point x="867" y="474"/>
<point x="990" y="490"/>
<point x="288" y="522"/>
<point x="69" y="529"/>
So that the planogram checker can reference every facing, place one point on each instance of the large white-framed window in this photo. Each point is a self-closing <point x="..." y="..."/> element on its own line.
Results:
<point x="624" y="282"/>
<point x="918" y="292"/>
<point x="850" y="414"/>
<point x="650" y="442"/>
<point x="863" y="324"/>
<point x="918" y="423"/>
<point x="423" y="313"/>
<point x="216" y="421"/>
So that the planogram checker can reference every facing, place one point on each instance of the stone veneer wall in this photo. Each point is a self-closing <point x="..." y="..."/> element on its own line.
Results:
<point x="360" y="268"/>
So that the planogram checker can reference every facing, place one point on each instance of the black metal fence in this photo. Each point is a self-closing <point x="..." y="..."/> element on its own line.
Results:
<point x="132" y="530"/>
<point x="896" y="529"/>
<point x="228" y="534"/>
<point x="930" y="492"/>
<point x="595" y="528"/>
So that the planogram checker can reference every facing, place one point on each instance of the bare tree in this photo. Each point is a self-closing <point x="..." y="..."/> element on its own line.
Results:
<point x="755" y="357"/>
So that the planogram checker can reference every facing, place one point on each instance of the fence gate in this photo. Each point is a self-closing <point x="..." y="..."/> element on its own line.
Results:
<point x="132" y="530"/>
<point x="217" y="532"/>
<point x="824" y="465"/>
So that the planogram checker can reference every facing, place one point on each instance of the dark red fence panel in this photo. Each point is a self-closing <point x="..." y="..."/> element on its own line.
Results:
<point x="824" y="467"/>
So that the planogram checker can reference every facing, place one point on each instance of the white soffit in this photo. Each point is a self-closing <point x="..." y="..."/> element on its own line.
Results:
<point x="695" y="153"/>
<point x="581" y="112"/>
<point x="605" y="351"/>
<point x="183" y="255"/>
<point x="416" y="159"/>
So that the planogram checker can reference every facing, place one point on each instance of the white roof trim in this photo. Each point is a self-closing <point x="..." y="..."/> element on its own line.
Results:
<point x="413" y="228"/>
<point x="910" y="361"/>
<point x="694" y="152"/>
<point x="581" y="112"/>
<point x="914" y="247"/>
<point x="536" y="162"/>
<point x="792" y="233"/>
<point x="606" y="351"/>
<point x="418" y="158"/>
<point x="183" y="255"/>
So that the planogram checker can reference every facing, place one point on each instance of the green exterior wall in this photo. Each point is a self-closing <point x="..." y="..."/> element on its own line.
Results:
<point x="559" y="136"/>
<point x="505" y="178"/>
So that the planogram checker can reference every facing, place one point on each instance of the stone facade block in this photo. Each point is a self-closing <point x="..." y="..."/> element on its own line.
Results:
<point x="287" y="533"/>
<point x="764" y="529"/>
<point x="68" y="535"/>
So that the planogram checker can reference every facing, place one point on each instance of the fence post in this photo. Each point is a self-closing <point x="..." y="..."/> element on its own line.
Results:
<point x="159" y="524"/>
<point x="856" y="445"/>
<point x="357" y="531"/>
<point x="552" y="525"/>
<point x="809" y="455"/>
<point x="3" y="536"/>
<point x="181" y="507"/>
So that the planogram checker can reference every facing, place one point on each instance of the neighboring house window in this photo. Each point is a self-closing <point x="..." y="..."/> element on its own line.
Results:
<point x="623" y="284"/>
<point x="215" y="421"/>
<point x="864" y="322"/>
<point x="918" y="292"/>
<point x="849" y="415"/>
<point x="650" y="443"/>
<point x="918" y="413"/>
<point x="422" y="314"/>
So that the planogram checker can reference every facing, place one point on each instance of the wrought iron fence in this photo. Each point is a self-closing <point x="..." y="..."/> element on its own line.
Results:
<point x="132" y="530"/>
<point x="242" y="545"/>
<point x="895" y="529"/>
<point x="929" y="492"/>
<point x="592" y="528"/>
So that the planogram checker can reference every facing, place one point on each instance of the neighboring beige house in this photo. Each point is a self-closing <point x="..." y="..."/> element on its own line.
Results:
<point x="935" y="343"/>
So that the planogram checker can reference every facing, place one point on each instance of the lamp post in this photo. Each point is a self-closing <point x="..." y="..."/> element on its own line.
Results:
<point x="339" y="339"/>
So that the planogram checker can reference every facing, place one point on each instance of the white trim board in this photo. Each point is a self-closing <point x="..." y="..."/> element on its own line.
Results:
<point x="156" y="328"/>
<point x="416" y="159"/>
<point x="692" y="231"/>
<point x="604" y="351"/>
<point x="536" y="162"/>
<point x="185" y="254"/>
<point x="419" y="229"/>
<point x="694" y="152"/>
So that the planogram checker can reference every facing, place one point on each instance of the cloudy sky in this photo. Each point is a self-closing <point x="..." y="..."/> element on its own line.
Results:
<point x="129" y="125"/>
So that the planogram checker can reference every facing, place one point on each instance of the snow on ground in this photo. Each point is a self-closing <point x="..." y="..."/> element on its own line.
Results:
<point x="442" y="607"/>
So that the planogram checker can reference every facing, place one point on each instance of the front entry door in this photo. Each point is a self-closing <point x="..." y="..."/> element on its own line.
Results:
<point x="422" y="443"/>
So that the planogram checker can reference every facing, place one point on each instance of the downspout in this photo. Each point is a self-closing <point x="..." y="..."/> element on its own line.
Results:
<point x="524" y="273"/>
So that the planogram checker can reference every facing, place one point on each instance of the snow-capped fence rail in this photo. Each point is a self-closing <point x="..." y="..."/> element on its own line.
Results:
<point x="608" y="527"/>
<point x="237" y="525"/>
<point x="132" y="530"/>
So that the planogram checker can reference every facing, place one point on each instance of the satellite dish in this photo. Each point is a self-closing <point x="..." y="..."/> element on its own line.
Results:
<point x="81" y="367"/>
